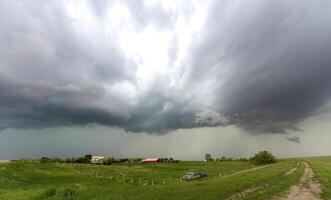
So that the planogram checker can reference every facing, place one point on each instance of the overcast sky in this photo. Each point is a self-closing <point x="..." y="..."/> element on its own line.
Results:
<point x="164" y="78"/>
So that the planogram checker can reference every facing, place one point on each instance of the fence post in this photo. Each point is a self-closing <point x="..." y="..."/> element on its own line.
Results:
<point x="164" y="182"/>
<point x="152" y="181"/>
<point x="220" y="173"/>
<point x="139" y="181"/>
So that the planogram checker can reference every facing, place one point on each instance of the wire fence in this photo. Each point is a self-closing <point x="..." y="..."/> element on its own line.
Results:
<point x="145" y="181"/>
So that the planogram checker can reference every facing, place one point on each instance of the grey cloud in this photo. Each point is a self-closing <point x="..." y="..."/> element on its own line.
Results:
<point x="157" y="113"/>
<point x="40" y="41"/>
<point x="152" y="14"/>
<point x="264" y="66"/>
<point x="272" y="58"/>
<point x="142" y="14"/>
<point x="294" y="139"/>
<point x="42" y="104"/>
<point x="52" y="74"/>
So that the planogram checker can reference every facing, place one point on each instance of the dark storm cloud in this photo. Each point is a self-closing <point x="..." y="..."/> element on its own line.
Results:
<point x="51" y="73"/>
<point x="294" y="139"/>
<point x="40" y="104"/>
<point x="273" y="58"/>
<point x="262" y="65"/>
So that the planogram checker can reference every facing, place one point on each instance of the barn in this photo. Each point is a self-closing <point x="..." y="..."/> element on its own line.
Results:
<point x="97" y="159"/>
<point x="151" y="160"/>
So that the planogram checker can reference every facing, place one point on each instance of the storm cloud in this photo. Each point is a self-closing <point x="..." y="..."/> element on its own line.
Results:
<point x="294" y="139"/>
<point x="157" y="66"/>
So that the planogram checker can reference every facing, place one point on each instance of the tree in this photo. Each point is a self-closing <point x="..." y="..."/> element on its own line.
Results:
<point x="242" y="159"/>
<point x="87" y="158"/>
<point x="44" y="160"/>
<point x="108" y="161"/>
<point x="263" y="157"/>
<point x="229" y="159"/>
<point x="208" y="157"/>
<point x="51" y="160"/>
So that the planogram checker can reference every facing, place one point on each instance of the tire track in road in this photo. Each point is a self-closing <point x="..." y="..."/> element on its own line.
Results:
<point x="308" y="187"/>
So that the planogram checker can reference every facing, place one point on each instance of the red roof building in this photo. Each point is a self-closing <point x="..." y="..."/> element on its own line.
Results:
<point x="151" y="160"/>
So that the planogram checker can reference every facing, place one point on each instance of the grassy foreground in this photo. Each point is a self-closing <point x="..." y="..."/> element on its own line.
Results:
<point x="33" y="180"/>
<point x="322" y="169"/>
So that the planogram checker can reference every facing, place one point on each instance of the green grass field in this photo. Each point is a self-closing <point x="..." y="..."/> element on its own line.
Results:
<point x="322" y="169"/>
<point x="226" y="180"/>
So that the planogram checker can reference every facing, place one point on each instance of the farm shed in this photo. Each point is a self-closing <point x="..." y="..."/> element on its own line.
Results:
<point x="151" y="160"/>
<point x="97" y="159"/>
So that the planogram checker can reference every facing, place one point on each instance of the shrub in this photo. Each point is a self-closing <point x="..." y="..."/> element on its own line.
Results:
<point x="44" y="160"/>
<point x="108" y="161"/>
<point x="87" y="158"/>
<point x="242" y="159"/>
<point x="208" y="157"/>
<point x="50" y="160"/>
<point x="263" y="157"/>
<point x="229" y="159"/>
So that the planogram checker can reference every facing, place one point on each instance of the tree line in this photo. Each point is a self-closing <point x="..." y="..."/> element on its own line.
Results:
<point x="262" y="157"/>
<point x="84" y="159"/>
<point x="106" y="161"/>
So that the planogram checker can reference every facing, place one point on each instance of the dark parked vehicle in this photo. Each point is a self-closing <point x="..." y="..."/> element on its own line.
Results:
<point x="189" y="176"/>
<point x="202" y="175"/>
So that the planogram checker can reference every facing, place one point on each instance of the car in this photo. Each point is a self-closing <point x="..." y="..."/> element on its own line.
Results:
<point x="202" y="175"/>
<point x="189" y="176"/>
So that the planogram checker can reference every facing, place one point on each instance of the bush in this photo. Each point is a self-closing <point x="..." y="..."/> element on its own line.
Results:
<point x="229" y="159"/>
<point x="263" y="157"/>
<point x="208" y="157"/>
<point x="108" y="161"/>
<point x="44" y="160"/>
<point x="50" y="160"/>
<point x="87" y="158"/>
<point x="242" y="159"/>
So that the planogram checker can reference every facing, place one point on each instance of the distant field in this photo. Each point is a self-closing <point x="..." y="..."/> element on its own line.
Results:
<point x="33" y="180"/>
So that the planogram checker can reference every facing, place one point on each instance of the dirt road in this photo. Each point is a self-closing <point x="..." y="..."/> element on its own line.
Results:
<point x="307" y="189"/>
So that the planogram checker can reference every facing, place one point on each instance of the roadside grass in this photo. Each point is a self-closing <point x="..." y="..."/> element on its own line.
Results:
<point x="35" y="181"/>
<point x="278" y="184"/>
<point x="168" y="173"/>
<point x="322" y="168"/>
